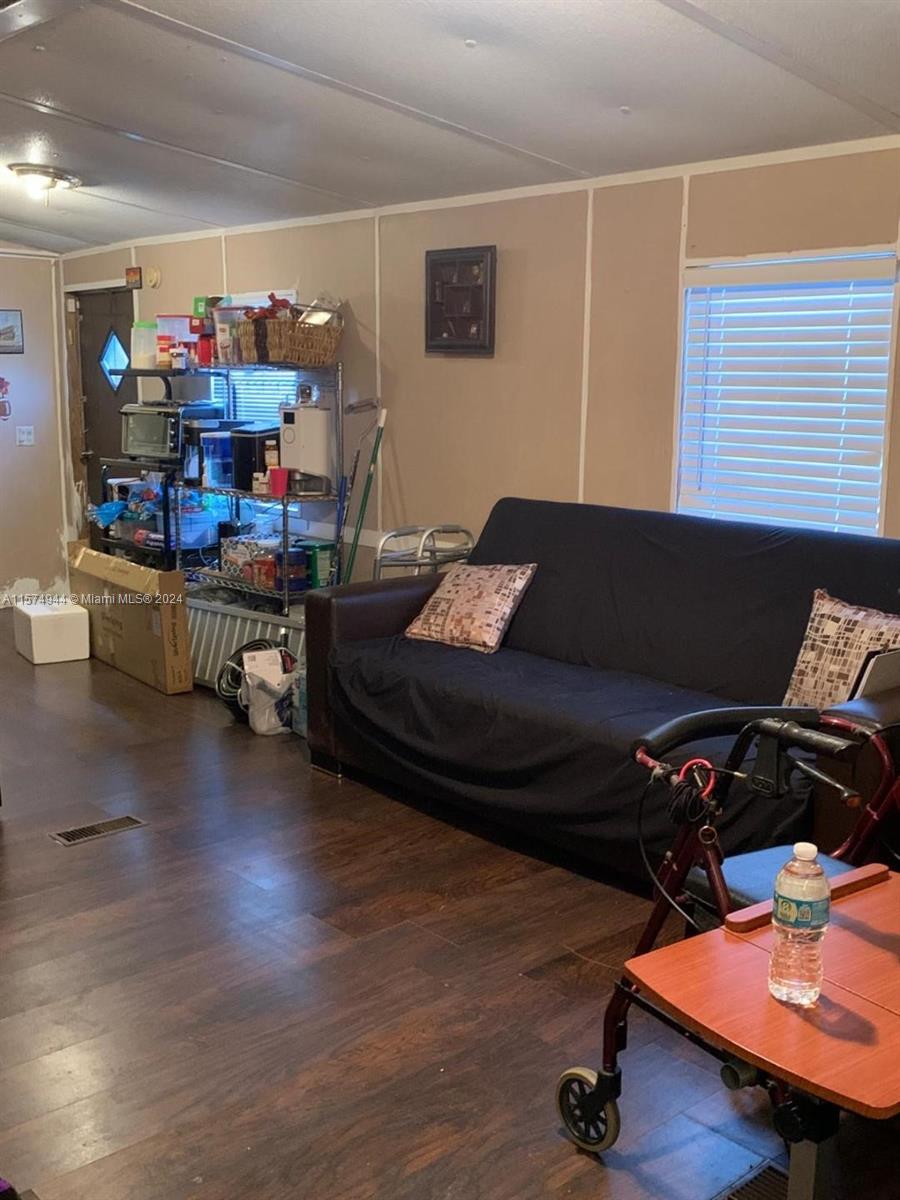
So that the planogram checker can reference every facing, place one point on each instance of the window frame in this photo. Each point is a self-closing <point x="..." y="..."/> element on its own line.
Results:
<point x="826" y="266"/>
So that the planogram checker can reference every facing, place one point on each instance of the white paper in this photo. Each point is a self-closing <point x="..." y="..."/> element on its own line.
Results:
<point x="264" y="663"/>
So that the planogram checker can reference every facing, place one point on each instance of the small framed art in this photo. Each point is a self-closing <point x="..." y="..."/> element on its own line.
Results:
<point x="460" y="298"/>
<point x="12" y="338"/>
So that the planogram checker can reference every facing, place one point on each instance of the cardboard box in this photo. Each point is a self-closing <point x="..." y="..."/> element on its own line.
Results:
<point x="240" y="551"/>
<point x="138" y="617"/>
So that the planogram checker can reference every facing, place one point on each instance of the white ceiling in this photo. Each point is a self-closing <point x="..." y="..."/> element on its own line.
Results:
<point x="191" y="114"/>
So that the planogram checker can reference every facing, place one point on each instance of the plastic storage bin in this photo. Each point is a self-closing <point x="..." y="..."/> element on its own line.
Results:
<point x="225" y="319"/>
<point x="218" y="462"/>
<point x="197" y="529"/>
<point x="298" y="574"/>
<point x="176" y="326"/>
<point x="143" y="345"/>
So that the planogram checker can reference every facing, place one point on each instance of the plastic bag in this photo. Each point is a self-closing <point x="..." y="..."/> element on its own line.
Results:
<point x="104" y="514"/>
<point x="269" y="705"/>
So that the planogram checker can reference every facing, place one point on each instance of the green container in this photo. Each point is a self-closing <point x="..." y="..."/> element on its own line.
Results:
<point x="319" y="561"/>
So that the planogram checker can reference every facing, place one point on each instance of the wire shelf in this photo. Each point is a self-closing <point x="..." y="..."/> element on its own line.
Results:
<point x="215" y="369"/>
<point x="262" y="497"/>
<point x="234" y="582"/>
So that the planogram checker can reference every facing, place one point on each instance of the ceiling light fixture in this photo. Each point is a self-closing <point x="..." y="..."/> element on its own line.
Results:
<point x="39" y="180"/>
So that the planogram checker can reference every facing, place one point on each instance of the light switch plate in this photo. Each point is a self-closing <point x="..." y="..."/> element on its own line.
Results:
<point x="24" y="435"/>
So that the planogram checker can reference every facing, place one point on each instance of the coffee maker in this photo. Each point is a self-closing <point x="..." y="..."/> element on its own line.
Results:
<point x="307" y="446"/>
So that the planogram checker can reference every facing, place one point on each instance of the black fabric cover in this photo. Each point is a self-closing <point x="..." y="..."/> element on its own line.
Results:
<point x="712" y="606"/>
<point x="632" y="618"/>
<point x="514" y="734"/>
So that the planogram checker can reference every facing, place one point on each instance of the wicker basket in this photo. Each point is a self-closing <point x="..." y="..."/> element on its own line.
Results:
<point x="264" y="341"/>
<point x="295" y="342"/>
<point x="315" y="345"/>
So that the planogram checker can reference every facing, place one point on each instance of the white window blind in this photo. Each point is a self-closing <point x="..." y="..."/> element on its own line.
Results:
<point x="784" y="394"/>
<point x="257" y="394"/>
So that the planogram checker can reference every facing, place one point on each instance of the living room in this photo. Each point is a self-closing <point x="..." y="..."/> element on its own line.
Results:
<point x="586" y="316"/>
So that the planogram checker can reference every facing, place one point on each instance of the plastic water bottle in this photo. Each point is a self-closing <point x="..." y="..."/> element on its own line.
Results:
<point x="800" y="914"/>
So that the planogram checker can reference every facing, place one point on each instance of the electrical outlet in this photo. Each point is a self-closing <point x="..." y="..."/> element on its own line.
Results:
<point x="24" y="435"/>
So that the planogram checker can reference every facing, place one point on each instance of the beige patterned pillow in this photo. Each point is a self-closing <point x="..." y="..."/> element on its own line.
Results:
<point x="473" y="606"/>
<point x="837" y="640"/>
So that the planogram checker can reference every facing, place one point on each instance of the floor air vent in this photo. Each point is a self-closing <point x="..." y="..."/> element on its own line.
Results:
<point x="87" y="833"/>
<point x="768" y="1184"/>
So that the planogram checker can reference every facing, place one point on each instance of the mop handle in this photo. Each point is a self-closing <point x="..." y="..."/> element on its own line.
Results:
<point x="370" y="475"/>
<point x="334" y="573"/>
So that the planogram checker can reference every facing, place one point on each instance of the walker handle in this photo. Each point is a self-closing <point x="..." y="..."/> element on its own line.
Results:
<point x="719" y="722"/>
<point x="791" y="734"/>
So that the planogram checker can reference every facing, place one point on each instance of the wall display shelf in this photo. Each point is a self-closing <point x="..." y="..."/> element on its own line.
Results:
<point x="460" y="300"/>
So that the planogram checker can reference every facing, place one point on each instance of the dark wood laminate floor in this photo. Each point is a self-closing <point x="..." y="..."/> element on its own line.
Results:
<point x="282" y="986"/>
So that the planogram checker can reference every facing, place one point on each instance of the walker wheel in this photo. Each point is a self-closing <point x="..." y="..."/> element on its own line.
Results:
<point x="591" y="1131"/>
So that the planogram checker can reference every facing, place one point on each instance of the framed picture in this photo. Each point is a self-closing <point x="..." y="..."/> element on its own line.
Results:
<point x="460" y="294"/>
<point x="12" y="339"/>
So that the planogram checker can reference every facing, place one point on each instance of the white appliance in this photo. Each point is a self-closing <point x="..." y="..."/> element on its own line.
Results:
<point x="307" y="440"/>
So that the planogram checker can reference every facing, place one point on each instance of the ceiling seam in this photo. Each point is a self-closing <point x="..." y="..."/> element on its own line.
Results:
<point x="886" y="143"/>
<point x="93" y="194"/>
<point x="142" y="12"/>
<point x="62" y="114"/>
<point x="66" y="237"/>
<point x="786" y="61"/>
<point x="14" y="21"/>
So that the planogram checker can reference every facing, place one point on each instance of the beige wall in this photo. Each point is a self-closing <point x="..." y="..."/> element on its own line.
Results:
<point x="819" y="204"/>
<point x="97" y="268"/>
<point x="186" y="269"/>
<point x="464" y="431"/>
<point x="32" y="534"/>
<point x="634" y="304"/>
<point x="333" y="257"/>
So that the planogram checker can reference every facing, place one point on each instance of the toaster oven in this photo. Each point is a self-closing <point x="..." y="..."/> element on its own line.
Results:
<point x="156" y="431"/>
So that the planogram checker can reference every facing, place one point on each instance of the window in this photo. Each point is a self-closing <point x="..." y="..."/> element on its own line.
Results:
<point x="113" y="357"/>
<point x="257" y="394"/>
<point x="784" y="392"/>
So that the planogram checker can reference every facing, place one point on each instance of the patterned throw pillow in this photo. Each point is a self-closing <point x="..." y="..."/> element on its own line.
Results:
<point x="837" y="640"/>
<point x="473" y="606"/>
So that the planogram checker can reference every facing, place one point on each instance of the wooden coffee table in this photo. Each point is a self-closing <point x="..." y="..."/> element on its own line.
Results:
<point x="845" y="1050"/>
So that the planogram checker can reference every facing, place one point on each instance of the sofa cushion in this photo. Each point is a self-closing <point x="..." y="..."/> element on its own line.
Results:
<point x="838" y="640"/>
<point x="472" y="606"/>
<point x="711" y="606"/>
<point x="515" y="732"/>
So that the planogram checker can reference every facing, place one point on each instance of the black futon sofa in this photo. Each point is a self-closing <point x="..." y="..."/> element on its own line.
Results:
<point x="632" y="618"/>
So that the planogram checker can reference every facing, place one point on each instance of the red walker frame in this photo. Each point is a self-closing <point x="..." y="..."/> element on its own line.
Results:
<point x="697" y="845"/>
<point x="692" y="849"/>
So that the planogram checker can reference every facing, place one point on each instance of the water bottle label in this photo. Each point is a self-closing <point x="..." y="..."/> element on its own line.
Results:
<point x="801" y="914"/>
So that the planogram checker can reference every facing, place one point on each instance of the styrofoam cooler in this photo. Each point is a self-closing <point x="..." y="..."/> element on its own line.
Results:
<point x="52" y="633"/>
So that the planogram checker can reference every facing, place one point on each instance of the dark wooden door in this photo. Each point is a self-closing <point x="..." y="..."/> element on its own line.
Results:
<point x="103" y="313"/>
